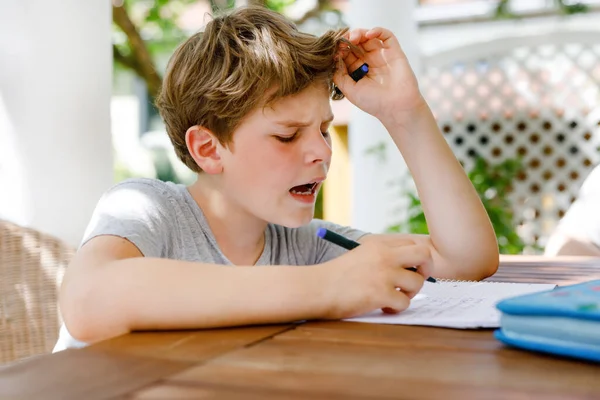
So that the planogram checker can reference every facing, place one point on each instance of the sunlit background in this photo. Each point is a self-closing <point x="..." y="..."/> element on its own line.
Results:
<point x="513" y="85"/>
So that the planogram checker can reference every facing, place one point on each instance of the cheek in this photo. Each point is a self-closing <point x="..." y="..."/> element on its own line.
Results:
<point x="278" y="166"/>
<point x="274" y="155"/>
<point x="266" y="166"/>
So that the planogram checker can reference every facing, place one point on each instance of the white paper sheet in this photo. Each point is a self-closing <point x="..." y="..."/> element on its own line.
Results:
<point x="455" y="304"/>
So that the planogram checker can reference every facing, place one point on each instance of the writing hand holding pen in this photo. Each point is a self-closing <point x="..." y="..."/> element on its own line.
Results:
<point x="351" y="244"/>
<point x="373" y="275"/>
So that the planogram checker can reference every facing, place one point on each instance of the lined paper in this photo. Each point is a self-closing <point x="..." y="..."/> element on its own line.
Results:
<point x="462" y="305"/>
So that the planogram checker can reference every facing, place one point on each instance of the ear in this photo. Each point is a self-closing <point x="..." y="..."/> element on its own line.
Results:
<point x="204" y="148"/>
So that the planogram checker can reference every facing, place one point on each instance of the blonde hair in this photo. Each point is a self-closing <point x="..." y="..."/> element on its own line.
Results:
<point x="217" y="77"/>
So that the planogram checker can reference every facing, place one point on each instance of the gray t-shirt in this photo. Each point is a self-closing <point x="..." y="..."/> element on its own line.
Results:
<point x="163" y="220"/>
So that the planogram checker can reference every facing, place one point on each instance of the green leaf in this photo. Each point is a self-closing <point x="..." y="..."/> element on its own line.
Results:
<point x="495" y="178"/>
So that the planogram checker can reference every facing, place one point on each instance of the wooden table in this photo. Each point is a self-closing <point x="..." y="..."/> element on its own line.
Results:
<point x="316" y="360"/>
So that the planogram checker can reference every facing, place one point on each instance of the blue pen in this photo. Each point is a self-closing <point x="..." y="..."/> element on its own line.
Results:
<point x="360" y="72"/>
<point x="356" y="75"/>
<point x="349" y="244"/>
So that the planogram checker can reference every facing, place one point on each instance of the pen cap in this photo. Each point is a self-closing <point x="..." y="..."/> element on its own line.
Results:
<point x="321" y="232"/>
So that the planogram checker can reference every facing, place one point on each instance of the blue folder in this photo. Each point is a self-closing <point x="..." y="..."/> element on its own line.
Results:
<point x="564" y="321"/>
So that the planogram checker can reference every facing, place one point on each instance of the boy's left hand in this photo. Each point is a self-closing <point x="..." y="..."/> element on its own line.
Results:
<point x="390" y="89"/>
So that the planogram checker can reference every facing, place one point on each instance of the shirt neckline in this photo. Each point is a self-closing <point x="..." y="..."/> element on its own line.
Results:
<point x="265" y="256"/>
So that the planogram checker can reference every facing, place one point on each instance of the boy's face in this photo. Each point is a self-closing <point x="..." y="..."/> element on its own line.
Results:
<point x="279" y="158"/>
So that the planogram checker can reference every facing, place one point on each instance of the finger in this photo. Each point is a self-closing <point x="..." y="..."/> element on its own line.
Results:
<point x="374" y="44"/>
<point x="351" y="59"/>
<point x="350" y="52"/>
<point x="412" y="255"/>
<point x="341" y="78"/>
<point x="397" y="301"/>
<point x="427" y="252"/>
<point x="407" y="281"/>
<point x="425" y="270"/>
<point x="356" y="36"/>
<point x="395" y="239"/>
<point x="398" y="241"/>
<point x="386" y="36"/>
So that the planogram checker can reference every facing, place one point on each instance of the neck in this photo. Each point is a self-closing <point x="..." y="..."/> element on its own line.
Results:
<point x="239" y="234"/>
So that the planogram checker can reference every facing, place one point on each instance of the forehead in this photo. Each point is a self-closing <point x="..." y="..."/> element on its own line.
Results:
<point x="310" y="101"/>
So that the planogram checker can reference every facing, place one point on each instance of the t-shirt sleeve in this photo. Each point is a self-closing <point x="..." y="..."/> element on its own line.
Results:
<point x="323" y="250"/>
<point x="137" y="211"/>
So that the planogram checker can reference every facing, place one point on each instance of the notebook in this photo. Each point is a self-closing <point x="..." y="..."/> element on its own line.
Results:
<point x="455" y="304"/>
<point x="565" y="321"/>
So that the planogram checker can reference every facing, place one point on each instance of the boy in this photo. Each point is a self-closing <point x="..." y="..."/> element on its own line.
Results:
<point x="247" y="106"/>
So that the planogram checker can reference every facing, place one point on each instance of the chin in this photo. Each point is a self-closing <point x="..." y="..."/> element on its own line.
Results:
<point x="294" y="220"/>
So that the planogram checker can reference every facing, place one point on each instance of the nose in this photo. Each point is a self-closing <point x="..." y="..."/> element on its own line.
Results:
<point x="318" y="148"/>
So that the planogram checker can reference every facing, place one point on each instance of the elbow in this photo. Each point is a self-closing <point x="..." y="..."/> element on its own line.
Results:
<point x="487" y="259"/>
<point x="476" y="265"/>
<point x="76" y="312"/>
<point x="479" y="268"/>
<point x="489" y="263"/>
<point x="72" y="310"/>
<point x="83" y="314"/>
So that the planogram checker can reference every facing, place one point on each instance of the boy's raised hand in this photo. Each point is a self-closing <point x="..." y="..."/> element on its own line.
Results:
<point x="390" y="87"/>
<point x="367" y="278"/>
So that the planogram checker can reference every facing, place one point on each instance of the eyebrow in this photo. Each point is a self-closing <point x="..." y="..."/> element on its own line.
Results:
<point x="301" y="124"/>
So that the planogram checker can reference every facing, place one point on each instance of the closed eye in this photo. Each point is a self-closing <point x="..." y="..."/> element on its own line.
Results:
<point x="289" y="139"/>
<point x="286" y="139"/>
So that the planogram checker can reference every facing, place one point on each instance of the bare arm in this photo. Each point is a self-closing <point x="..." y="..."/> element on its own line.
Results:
<point x="561" y="244"/>
<point x="460" y="230"/>
<point x="462" y="238"/>
<point x="111" y="289"/>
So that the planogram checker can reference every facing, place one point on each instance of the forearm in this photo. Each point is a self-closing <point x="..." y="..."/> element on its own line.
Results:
<point x="148" y="294"/>
<point x="565" y="245"/>
<point x="459" y="226"/>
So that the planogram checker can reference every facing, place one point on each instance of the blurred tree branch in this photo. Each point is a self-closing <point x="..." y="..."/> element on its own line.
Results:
<point x="125" y="61"/>
<point x="136" y="53"/>
<point x="139" y="60"/>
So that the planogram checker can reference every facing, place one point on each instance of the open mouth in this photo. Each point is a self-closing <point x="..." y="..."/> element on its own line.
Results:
<point x="307" y="189"/>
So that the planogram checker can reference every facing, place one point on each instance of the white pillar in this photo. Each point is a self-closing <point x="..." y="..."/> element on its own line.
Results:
<point x="376" y="202"/>
<point x="55" y="88"/>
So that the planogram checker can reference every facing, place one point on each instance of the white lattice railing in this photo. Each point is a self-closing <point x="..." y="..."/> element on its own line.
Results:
<point x="535" y="97"/>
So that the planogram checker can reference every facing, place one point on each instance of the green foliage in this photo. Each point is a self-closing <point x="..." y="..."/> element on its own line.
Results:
<point x="156" y="20"/>
<point x="279" y="5"/>
<point x="275" y="5"/>
<point x="492" y="183"/>
<point x="564" y="7"/>
<point x="503" y="10"/>
<point x="164" y="169"/>
<point x="221" y="5"/>
<point x="319" y="204"/>
<point x="569" y="9"/>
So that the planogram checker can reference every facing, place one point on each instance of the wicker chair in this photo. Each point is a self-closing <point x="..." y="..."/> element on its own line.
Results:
<point x="32" y="265"/>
